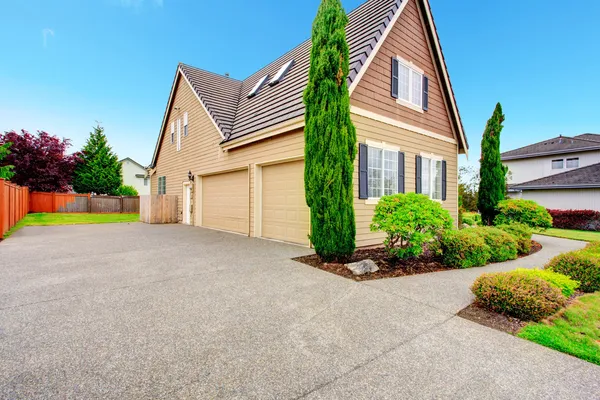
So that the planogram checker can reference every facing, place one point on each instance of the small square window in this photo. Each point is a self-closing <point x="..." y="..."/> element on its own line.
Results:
<point x="572" y="162"/>
<point x="558" y="164"/>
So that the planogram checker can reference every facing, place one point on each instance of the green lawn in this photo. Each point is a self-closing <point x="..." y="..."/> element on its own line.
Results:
<point x="575" y="331"/>
<point x="587" y="236"/>
<point x="43" y="219"/>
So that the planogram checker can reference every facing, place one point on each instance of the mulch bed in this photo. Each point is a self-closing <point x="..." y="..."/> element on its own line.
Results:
<point x="535" y="247"/>
<point x="388" y="267"/>
<point x="491" y="319"/>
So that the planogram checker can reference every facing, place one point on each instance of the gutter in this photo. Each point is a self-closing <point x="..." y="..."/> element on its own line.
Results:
<point x="549" y="153"/>
<point x="550" y="187"/>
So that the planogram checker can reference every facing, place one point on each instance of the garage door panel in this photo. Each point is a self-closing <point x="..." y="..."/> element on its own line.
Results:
<point x="225" y="201"/>
<point x="285" y="215"/>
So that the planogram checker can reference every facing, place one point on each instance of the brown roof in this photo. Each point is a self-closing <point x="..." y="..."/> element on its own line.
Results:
<point x="227" y="100"/>
<point x="557" y="145"/>
<point x="584" y="177"/>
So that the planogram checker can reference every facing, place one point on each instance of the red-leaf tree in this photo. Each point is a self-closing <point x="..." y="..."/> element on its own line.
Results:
<point x="40" y="161"/>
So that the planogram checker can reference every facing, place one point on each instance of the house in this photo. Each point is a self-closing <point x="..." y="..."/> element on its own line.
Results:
<point x="134" y="174"/>
<point x="560" y="173"/>
<point x="233" y="150"/>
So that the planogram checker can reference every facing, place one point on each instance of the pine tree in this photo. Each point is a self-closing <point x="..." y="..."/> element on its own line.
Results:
<point x="492" y="185"/>
<point x="99" y="170"/>
<point x="330" y="137"/>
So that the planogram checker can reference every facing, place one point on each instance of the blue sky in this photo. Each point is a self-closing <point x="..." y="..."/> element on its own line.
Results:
<point x="69" y="63"/>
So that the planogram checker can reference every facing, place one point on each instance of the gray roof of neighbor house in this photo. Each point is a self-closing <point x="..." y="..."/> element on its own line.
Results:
<point x="584" y="177"/>
<point x="557" y="145"/>
<point x="227" y="101"/>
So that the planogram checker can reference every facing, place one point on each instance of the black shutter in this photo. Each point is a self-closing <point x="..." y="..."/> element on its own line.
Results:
<point x="444" y="184"/>
<point x="363" y="171"/>
<point x="419" y="170"/>
<point x="425" y="93"/>
<point x="395" y="68"/>
<point x="401" y="188"/>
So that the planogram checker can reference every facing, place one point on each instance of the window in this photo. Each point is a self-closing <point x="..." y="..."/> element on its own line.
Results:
<point x="179" y="134"/>
<point x="410" y="83"/>
<point x="145" y="181"/>
<point x="557" y="164"/>
<point x="431" y="178"/>
<point x="281" y="73"/>
<point x="383" y="172"/>
<point x="257" y="87"/>
<point x="572" y="162"/>
<point x="162" y="185"/>
<point x="185" y="124"/>
<point x="172" y="132"/>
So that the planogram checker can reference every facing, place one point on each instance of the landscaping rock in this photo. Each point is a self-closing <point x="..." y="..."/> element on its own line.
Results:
<point x="363" y="267"/>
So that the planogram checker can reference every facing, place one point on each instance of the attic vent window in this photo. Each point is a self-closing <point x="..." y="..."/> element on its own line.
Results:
<point x="281" y="73"/>
<point x="257" y="87"/>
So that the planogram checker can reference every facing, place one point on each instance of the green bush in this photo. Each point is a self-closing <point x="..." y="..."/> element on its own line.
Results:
<point x="592" y="249"/>
<point x="527" y="212"/>
<point x="467" y="219"/>
<point x="521" y="233"/>
<point x="523" y="296"/>
<point x="503" y="246"/>
<point x="126" y="190"/>
<point x="563" y="282"/>
<point x="465" y="248"/>
<point x="410" y="220"/>
<point x="580" y="266"/>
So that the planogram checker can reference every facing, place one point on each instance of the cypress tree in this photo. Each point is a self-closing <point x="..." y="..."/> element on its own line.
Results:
<point x="99" y="170"/>
<point x="492" y="185"/>
<point x="330" y="137"/>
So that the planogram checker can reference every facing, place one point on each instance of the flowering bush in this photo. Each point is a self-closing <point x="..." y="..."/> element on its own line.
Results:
<point x="583" y="220"/>
<point x="521" y="233"/>
<point x="465" y="248"/>
<point x="527" y="212"/>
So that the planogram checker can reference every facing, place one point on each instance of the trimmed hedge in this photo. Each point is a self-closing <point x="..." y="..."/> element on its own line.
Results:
<point x="465" y="248"/>
<point x="563" y="282"/>
<point x="582" y="266"/>
<point x="527" y="212"/>
<point x="502" y="245"/>
<point x="523" y="296"/>
<point x="583" y="220"/>
<point x="521" y="233"/>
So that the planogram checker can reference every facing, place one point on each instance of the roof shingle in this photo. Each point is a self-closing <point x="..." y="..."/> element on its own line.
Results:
<point x="557" y="145"/>
<point x="581" y="177"/>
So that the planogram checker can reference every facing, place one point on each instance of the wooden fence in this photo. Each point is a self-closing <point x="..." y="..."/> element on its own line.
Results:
<point x="158" y="209"/>
<point x="41" y="202"/>
<point x="14" y="204"/>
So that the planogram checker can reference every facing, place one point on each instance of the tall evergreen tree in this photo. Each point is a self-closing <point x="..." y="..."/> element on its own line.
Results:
<point x="492" y="184"/>
<point x="99" y="170"/>
<point x="330" y="137"/>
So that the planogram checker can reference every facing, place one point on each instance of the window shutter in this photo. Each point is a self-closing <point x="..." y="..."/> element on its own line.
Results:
<point x="425" y="93"/>
<point x="363" y="171"/>
<point x="444" y="184"/>
<point x="395" y="68"/>
<point x="401" y="188"/>
<point x="419" y="170"/>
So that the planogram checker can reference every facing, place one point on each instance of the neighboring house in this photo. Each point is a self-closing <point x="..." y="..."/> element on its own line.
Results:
<point x="242" y="141"/>
<point x="560" y="173"/>
<point x="135" y="175"/>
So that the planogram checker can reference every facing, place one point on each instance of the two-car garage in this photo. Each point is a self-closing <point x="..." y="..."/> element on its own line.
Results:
<point x="280" y="209"/>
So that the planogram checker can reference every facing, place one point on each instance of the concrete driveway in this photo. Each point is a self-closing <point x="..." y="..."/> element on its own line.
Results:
<point x="134" y="311"/>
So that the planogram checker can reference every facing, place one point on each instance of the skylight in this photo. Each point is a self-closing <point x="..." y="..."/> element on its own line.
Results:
<point x="281" y="73"/>
<point x="257" y="87"/>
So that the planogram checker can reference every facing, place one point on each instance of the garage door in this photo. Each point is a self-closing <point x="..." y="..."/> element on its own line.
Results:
<point x="225" y="201"/>
<point x="285" y="215"/>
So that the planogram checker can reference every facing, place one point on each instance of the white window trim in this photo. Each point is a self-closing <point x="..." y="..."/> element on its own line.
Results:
<point x="563" y="165"/>
<point x="566" y="163"/>
<point x="433" y="157"/>
<point x="382" y="146"/>
<point x="408" y="103"/>
<point x="172" y="132"/>
<point x="185" y="124"/>
<point x="179" y="134"/>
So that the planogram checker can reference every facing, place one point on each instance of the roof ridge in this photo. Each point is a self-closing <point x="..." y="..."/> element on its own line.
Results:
<point x="209" y="72"/>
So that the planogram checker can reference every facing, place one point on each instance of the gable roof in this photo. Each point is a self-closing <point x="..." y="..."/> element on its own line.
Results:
<point x="584" y="177"/>
<point x="235" y="115"/>
<point x="557" y="145"/>
<point x="133" y="161"/>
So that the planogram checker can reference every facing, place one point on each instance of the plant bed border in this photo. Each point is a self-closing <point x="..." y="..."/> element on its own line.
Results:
<point x="388" y="268"/>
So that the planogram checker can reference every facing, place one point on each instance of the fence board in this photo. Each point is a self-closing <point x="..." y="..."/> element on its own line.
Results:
<point x="40" y="202"/>
<point x="158" y="209"/>
<point x="14" y="205"/>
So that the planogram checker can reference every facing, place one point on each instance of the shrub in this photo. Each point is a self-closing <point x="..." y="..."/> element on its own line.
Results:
<point x="126" y="190"/>
<point x="521" y="233"/>
<point x="464" y="249"/>
<point x="410" y="220"/>
<point x="592" y="249"/>
<point x="527" y="212"/>
<point x="581" y="266"/>
<point x="467" y="219"/>
<point x="563" y="282"/>
<point x="583" y="220"/>
<point x="502" y="245"/>
<point x="523" y="296"/>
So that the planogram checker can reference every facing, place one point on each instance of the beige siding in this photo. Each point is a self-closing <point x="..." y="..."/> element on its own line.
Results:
<point x="412" y="144"/>
<point x="407" y="39"/>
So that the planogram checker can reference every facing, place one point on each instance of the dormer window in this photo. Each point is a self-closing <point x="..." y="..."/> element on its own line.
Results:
<point x="258" y="85"/>
<point x="281" y="73"/>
